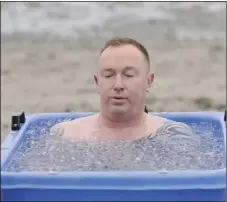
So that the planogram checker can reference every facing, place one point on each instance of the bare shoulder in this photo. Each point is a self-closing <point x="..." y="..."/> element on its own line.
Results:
<point x="155" y="118"/>
<point x="155" y="122"/>
<point x="74" y="128"/>
<point x="57" y="129"/>
<point x="84" y="120"/>
<point x="161" y="126"/>
<point x="175" y="128"/>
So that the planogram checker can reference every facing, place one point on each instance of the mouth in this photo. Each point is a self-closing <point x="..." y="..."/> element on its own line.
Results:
<point x="118" y="98"/>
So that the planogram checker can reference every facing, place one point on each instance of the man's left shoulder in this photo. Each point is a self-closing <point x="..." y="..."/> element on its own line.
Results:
<point x="173" y="127"/>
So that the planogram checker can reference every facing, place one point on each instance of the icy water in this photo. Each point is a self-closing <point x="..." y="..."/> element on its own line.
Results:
<point x="49" y="153"/>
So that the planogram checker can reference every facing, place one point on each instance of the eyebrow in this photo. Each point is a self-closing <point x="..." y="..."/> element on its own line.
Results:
<point x="126" y="68"/>
<point x="108" y="70"/>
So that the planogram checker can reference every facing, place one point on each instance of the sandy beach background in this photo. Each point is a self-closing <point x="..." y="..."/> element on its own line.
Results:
<point x="49" y="52"/>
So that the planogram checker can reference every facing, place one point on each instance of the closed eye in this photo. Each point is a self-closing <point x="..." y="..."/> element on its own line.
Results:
<point x="107" y="76"/>
<point x="129" y="74"/>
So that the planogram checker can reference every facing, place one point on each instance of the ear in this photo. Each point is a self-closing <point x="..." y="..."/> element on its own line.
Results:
<point x="150" y="79"/>
<point x="96" y="80"/>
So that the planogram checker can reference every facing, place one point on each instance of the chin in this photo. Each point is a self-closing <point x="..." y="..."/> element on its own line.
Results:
<point x="119" y="110"/>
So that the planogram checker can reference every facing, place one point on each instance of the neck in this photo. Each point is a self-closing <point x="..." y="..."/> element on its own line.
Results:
<point x="120" y="122"/>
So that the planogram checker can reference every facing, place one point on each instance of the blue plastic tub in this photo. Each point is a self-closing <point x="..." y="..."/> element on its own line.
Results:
<point x="207" y="185"/>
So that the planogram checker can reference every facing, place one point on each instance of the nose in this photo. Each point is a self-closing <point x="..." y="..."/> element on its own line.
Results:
<point x="118" y="86"/>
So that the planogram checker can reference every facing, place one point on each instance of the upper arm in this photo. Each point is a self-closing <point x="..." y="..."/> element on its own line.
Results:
<point x="178" y="137"/>
<point x="57" y="130"/>
<point x="172" y="128"/>
<point x="68" y="130"/>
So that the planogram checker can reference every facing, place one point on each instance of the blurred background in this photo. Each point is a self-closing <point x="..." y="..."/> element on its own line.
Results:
<point x="49" y="53"/>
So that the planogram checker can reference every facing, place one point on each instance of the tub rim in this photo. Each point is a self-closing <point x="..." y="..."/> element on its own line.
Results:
<point x="187" y="179"/>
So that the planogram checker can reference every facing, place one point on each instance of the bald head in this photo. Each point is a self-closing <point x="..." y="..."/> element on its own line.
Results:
<point x="123" y="71"/>
<point x="129" y="46"/>
<point x="123" y="56"/>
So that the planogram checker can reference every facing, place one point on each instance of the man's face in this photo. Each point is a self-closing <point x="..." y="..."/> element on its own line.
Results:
<point x="123" y="79"/>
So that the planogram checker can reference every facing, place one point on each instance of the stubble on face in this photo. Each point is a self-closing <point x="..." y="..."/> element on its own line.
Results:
<point x="113" y="62"/>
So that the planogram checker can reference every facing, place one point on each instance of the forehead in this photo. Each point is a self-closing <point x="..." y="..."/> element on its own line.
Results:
<point x="122" y="56"/>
